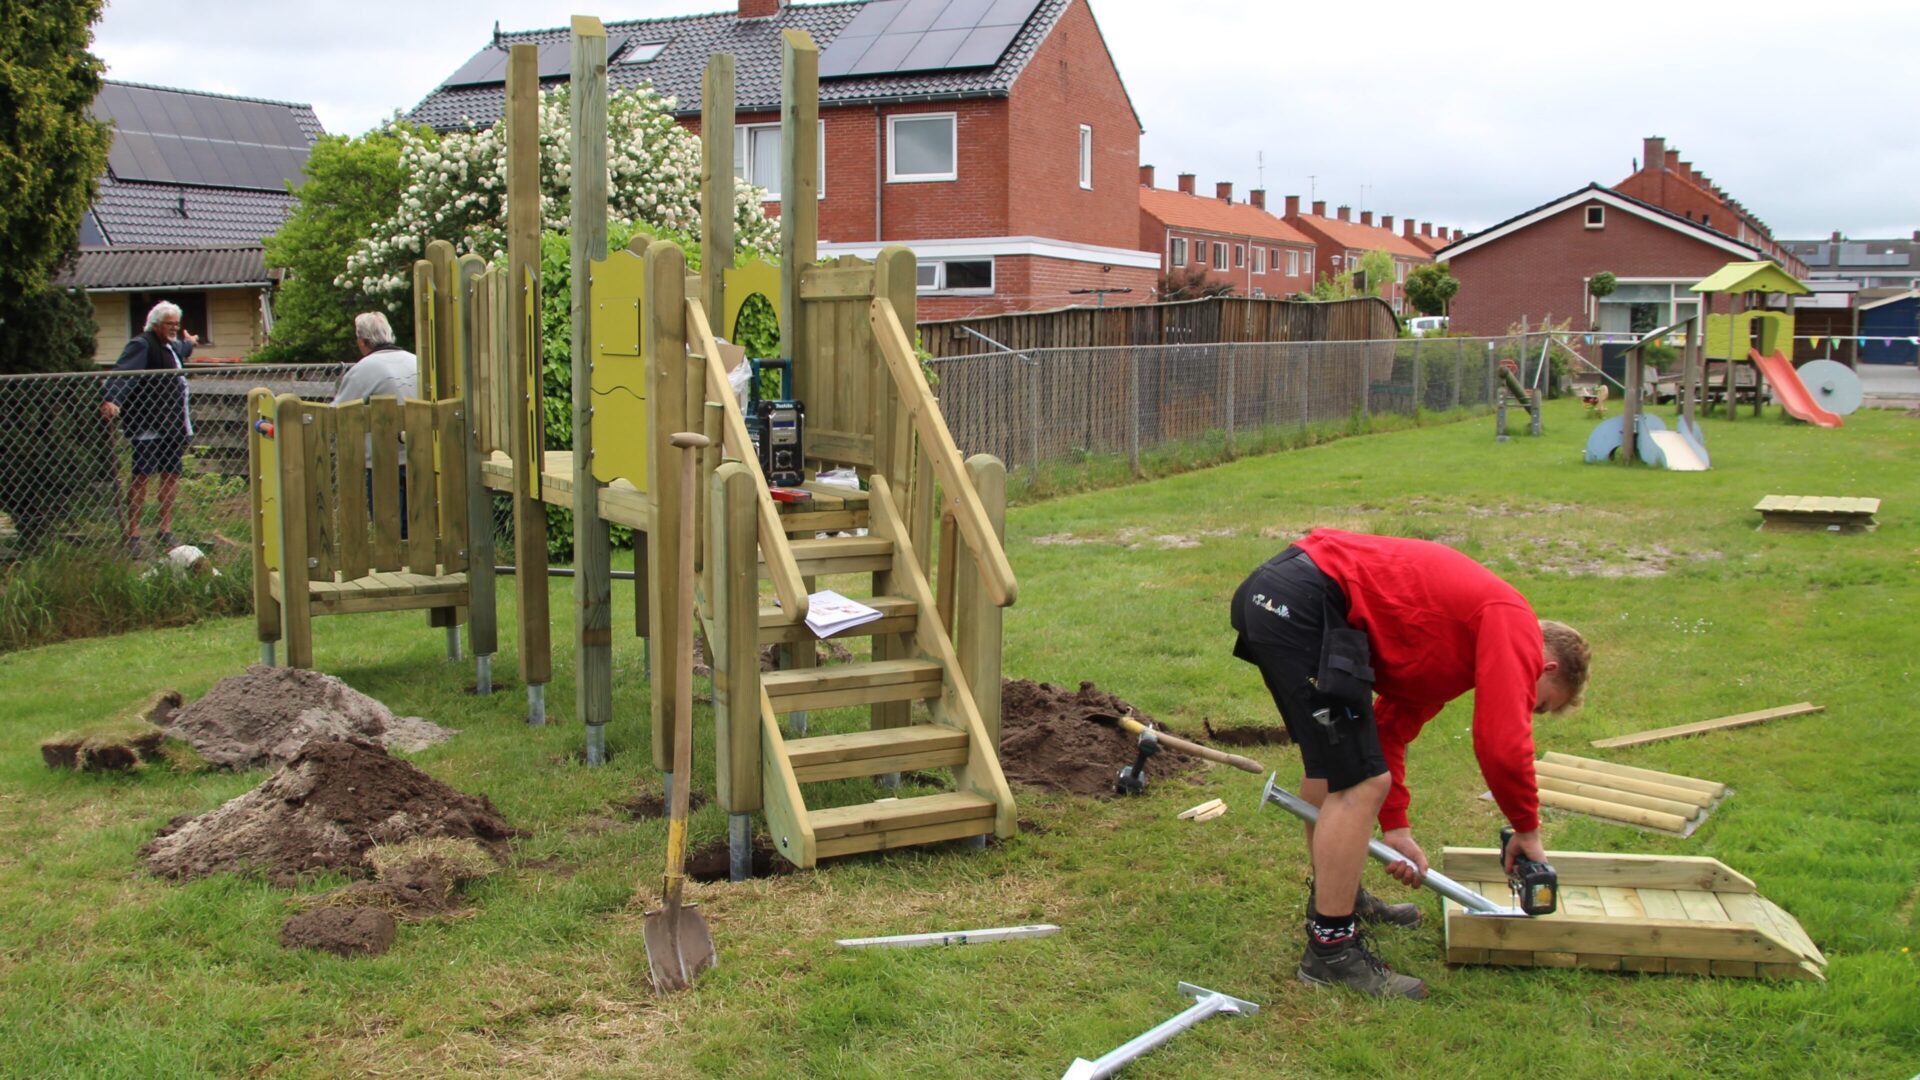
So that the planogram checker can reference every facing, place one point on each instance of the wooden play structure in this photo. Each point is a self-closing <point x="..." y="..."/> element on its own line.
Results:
<point x="917" y="535"/>
<point x="1668" y="914"/>
<point x="1732" y="337"/>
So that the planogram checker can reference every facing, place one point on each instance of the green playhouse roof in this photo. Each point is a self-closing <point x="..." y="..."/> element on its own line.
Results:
<point x="1742" y="277"/>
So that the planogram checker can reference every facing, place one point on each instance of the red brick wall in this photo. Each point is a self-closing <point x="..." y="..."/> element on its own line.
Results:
<point x="1542" y="269"/>
<point x="1033" y="283"/>
<point x="1274" y="283"/>
<point x="1071" y="81"/>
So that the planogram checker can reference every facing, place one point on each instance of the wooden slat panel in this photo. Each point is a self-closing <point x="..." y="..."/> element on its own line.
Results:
<point x="1651" y="965"/>
<point x="1598" y="962"/>
<point x="1796" y="934"/>
<point x="1605" y="868"/>
<point x="316" y="436"/>
<point x="899" y="838"/>
<point x="824" y="749"/>
<point x="1680" y="730"/>
<point x="1583" y="900"/>
<point x="423" y="490"/>
<point x="1661" y="903"/>
<point x="452" y="427"/>
<point x="1616" y="937"/>
<point x="384" y="421"/>
<point x="350" y="452"/>
<point x="1702" y="906"/>
<point x="1621" y="903"/>
<point x="897" y="814"/>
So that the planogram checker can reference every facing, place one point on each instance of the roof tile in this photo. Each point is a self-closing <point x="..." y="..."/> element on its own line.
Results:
<point x="1177" y="209"/>
<point x="161" y="267"/>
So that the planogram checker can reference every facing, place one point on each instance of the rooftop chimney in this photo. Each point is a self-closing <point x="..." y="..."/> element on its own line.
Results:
<point x="1146" y="176"/>
<point x="1670" y="161"/>
<point x="1319" y="208"/>
<point x="1386" y="222"/>
<point x="1426" y="228"/>
<point x="1345" y="212"/>
<point x="1655" y="150"/>
<point x="1223" y="190"/>
<point x="1258" y="197"/>
<point x="1293" y="206"/>
<point x="1186" y="183"/>
<point x="1366" y="217"/>
<point x="760" y="9"/>
<point x="1836" y="236"/>
<point x="1406" y="228"/>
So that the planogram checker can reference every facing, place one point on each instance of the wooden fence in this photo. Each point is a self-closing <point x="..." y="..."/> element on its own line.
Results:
<point x="1187" y="322"/>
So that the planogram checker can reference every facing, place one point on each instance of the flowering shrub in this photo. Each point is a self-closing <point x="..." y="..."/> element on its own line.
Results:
<point x="456" y="186"/>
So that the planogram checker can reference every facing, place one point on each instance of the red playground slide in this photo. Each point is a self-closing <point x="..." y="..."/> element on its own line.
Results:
<point x="1779" y="373"/>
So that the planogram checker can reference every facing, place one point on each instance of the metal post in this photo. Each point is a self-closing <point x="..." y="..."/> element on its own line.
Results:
<point x="1460" y="371"/>
<point x="1419" y="378"/>
<point x="1133" y="410"/>
<point x="536" y="704"/>
<point x="1500" y="414"/>
<point x="1230" y="408"/>
<point x="1033" y="411"/>
<point x="266" y="653"/>
<point x="1207" y="1003"/>
<point x="739" y="847"/>
<point x="483" y="675"/>
<point x="1306" y="393"/>
<point x="453" y="644"/>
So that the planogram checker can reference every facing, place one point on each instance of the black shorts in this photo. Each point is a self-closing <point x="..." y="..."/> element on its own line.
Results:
<point x="161" y="455"/>
<point x="1281" y="612"/>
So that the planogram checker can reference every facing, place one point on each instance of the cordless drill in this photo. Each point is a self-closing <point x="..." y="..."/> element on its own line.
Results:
<point x="1536" y="888"/>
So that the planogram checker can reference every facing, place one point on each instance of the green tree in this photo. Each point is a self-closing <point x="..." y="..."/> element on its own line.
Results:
<point x="351" y="184"/>
<point x="1431" y="288"/>
<point x="1378" y="268"/>
<point x="54" y="445"/>
<point x="51" y="151"/>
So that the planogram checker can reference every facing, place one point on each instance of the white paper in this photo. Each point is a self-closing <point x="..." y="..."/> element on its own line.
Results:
<point x="828" y="613"/>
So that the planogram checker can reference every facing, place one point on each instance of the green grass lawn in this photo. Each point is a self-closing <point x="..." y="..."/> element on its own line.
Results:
<point x="108" y="971"/>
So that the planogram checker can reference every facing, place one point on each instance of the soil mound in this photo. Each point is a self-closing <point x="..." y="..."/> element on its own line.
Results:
<point x="1254" y="735"/>
<point x="343" y="931"/>
<point x="323" y="811"/>
<point x="269" y="713"/>
<point x="1047" y="740"/>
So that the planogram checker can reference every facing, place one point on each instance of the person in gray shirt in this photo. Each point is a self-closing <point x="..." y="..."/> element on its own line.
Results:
<point x="383" y="370"/>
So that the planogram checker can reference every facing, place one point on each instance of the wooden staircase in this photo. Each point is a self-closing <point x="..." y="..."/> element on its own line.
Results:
<point x="951" y="737"/>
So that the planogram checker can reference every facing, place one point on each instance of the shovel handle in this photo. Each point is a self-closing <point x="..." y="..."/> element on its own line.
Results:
<point x="1244" y="764"/>
<point x="689" y="443"/>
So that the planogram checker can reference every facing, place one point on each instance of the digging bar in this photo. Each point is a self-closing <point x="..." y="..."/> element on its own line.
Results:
<point x="1432" y="879"/>
<point x="1206" y="1003"/>
<point x="957" y="937"/>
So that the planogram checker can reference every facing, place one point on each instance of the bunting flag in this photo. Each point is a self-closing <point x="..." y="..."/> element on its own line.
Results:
<point x="1816" y="340"/>
<point x="1913" y="341"/>
<point x="1863" y="343"/>
<point x="1589" y="339"/>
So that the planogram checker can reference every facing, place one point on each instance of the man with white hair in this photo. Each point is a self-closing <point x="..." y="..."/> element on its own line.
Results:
<point x="383" y="370"/>
<point x="152" y="410"/>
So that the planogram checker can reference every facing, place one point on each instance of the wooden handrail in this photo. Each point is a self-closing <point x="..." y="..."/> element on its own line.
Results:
<point x="936" y="441"/>
<point x="781" y="565"/>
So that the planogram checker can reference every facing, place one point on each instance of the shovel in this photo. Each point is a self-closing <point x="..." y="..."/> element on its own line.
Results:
<point x="679" y="946"/>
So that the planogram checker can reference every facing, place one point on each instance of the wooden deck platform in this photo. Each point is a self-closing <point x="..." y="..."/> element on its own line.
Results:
<point x="620" y="502"/>
<point x="1661" y="914"/>
<point x="1824" y="513"/>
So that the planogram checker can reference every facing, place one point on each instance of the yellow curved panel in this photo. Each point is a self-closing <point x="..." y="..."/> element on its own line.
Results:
<point x="758" y="276"/>
<point x="616" y="299"/>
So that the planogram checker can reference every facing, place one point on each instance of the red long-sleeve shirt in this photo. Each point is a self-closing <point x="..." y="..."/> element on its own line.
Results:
<point x="1440" y="624"/>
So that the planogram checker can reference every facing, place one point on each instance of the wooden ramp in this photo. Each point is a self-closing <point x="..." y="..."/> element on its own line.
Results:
<point x="1656" y="800"/>
<point x="1662" y="914"/>
<point x="1824" y="513"/>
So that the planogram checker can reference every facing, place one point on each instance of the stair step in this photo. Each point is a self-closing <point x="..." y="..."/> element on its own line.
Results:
<point x="871" y="753"/>
<point x="895" y="823"/>
<point x="840" y="555"/>
<point x="852" y="684"/>
<point x="897" y="616"/>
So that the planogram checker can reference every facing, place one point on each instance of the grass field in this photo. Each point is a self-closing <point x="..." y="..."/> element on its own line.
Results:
<point x="107" y="971"/>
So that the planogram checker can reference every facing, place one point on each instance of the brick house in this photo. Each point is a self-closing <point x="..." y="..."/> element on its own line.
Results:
<point x="1340" y="243"/>
<point x="1673" y="185"/>
<point x="1004" y="155"/>
<point x="194" y="183"/>
<point x="1239" y="244"/>
<point x="1537" y="264"/>
<point x="1428" y="238"/>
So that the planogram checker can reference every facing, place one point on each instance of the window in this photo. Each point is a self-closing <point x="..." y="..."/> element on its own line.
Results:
<point x="641" y="53"/>
<point x="1239" y="256"/>
<point x="1259" y="260"/>
<point x="1259" y="293"/>
<point x="1597" y="216"/>
<point x="1336" y="264"/>
<point x="1400" y="272"/>
<point x="1293" y="264"/>
<point x="1200" y="251"/>
<point x="1086" y="157"/>
<point x="1273" y="259"/>
<point x="1219" y="255"/>
<point x="922" y="146"/>
<point x="756" y="158"/>
<point x="1177" y="252"/>
<point x="957" y="276"/>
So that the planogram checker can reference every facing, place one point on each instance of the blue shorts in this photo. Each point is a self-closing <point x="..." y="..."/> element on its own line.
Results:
<point x="159" y="455"/>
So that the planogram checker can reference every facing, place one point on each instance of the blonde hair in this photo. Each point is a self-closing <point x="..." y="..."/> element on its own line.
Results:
<point x="1567" y="648"/>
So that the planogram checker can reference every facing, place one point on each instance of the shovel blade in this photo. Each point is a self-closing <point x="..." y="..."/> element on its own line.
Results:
<point x="679" y="946"/>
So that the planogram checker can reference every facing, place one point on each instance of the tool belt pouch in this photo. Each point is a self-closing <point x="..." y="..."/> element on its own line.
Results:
<point x="1345" y="675"/>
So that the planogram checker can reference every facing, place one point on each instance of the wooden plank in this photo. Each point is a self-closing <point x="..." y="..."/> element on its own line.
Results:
<point x="813" y="521"/>
<point x="296" y="622"/>
<point x="316" y="436"/>
<point x="1634" y="815"/>
<point x="1509" y="957"/>
<point x="1556" y="959"/>
<point x="1689" y="965"/>
<point x="1720" y="724"/>
<point x="878" y="628"/>
<point x="525" y="364"/>
<point x="1607" y="868"/>
<point x="423" y="490"/>
<point x="786" y="810"/>
<point x="946" y="757"/>
<point x="451" y="423"/>
<point x="1601" y="793"/>
<point x="1649" y="965"/>
<point x="1621" y="903"/>
<point x="350" y="448"/>
<point x="824" y="749"/>
<point x="1795" y="933"/>
<point x="1671" y="938"/>
<point x="899" y="838"/>
<point x="1466" y="956"/>
<point x="1598" y="962"/>
<point x="1708" y="788"/>
<point x="979" y="638"/>
<point x="836" y="283"/>
<point x="917" y="690"/>
<point x="587" y="242"/>
<point x="266" y="504"/>
<point x="738" y="766"/>
<point x="1618" y="783"/>
<point x="1702" y="906"/>
<point x="855" y="564"/>
<point x="717" y="115"/>
<point x="1583" y="900"/>
<point x="896" y="814"/>
<point x="889" y="607"/>
<point x="877" y="673"/>
<point x="384" y="421"/>
<point x="1661" y="903"/>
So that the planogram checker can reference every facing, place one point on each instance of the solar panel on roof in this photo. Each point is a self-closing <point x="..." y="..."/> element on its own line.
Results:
<point x="171" y="137"/>
<point x="556" y="60"/>
<point x="486" y="67"/>
<point x="891" y="36"/>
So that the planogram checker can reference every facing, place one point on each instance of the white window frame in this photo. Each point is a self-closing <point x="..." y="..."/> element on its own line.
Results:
<point x="743" y="160"/>
<point x="894" y="176"/>
<point x="939" y="286"/>
<point x="1086" y="157"/>
<point x="1596" y="216"/>
<point x="1259" y="259"/>
<point x="1219" y="255"/>
<point x="1200" y="250"/>
<point x="1293" y="262"/>
<point x="1239" y="256"/>
<point x="1177" y="251"/>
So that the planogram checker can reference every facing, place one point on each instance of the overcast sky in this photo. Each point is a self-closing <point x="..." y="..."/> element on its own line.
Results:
<point x="1461" y="114"/>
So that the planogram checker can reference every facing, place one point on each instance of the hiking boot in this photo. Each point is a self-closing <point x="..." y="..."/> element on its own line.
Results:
<point x="1374" y="911"/>
<point x="165" y="540"/>
<point x="1352" y="964"/>
<point x="133" y="547"/>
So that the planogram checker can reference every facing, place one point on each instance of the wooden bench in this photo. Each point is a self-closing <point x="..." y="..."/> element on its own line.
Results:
<point x="329" y="536"/>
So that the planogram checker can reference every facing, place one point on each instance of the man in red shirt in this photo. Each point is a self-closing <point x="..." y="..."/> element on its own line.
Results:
<point x="1435" y="625"/>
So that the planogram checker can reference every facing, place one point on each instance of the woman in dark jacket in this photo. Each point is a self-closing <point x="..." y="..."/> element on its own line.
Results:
<point x="153" y="414"/>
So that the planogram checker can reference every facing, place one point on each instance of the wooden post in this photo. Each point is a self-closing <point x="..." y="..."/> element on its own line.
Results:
<point x="440" y="375"/>
<point x="665" y="350"/>
<point x="1690" y="361"/>
<point x="423" y="336"/>
<point x="483" y="627"/>
<point x="593" y="572"/>
<point x="1630" y="411"/>
<point x="799" y="188"/>
<point x="979" y="637"/>
<point x="716" y="182"/>
<point x="1737" y="306"/>
<point x="263" y="471"/>
<point x="524" y="359"/>
<point x="296" y="623"/>
<point x="894" y="279"/>
<point x="733" y="560"/>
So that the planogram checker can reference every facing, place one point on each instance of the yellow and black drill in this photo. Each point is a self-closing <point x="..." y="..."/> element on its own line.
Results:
<point x="1535" y="885"/>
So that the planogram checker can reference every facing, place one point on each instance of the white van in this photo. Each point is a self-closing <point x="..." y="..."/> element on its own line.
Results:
<point x="1422" y="325"/>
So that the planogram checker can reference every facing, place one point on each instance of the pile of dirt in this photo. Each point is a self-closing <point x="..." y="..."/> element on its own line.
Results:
<point x="343" y="931"/>
<point x="417" y="880"/>
<point x="1047" y="740"/>
<point x="1247" y="735"/>
<point x="323" y="811"/>
<point x="269" y="713"/>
